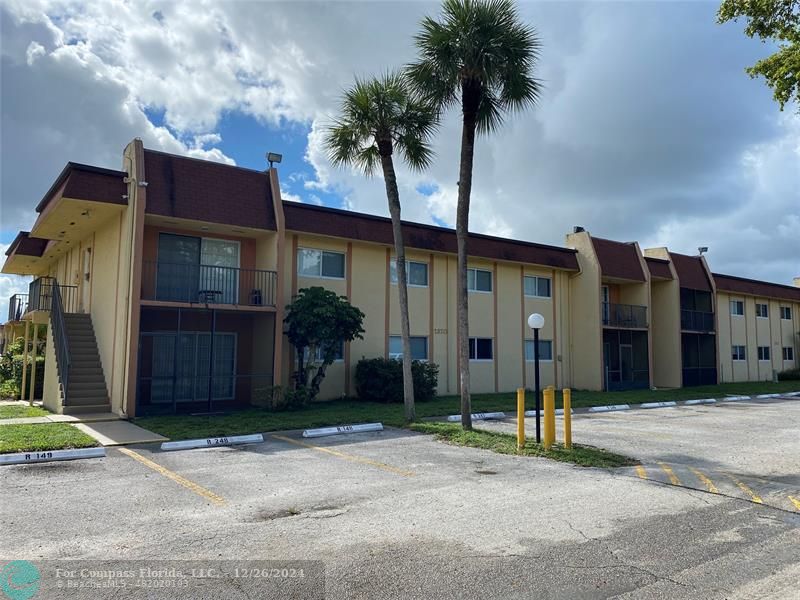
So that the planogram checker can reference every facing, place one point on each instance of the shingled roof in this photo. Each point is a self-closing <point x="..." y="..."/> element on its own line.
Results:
<point x="753" y="287"/>
<point x="658" y="267"/>
<point x="691" y="272"/>
<point x="371" y="228"/>
<point x="202" y="190"/>
<point x="618" y="259"/>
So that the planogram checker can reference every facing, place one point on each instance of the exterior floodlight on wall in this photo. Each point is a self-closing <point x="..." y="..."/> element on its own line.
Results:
<point x="702" y="250"/>
<point x="536" y="322"/>
<point x="274" y="157"/>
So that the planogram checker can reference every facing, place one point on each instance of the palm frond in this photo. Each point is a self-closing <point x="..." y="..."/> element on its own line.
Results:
<point x="481" y="46"/>
<point x="378" y="116"/>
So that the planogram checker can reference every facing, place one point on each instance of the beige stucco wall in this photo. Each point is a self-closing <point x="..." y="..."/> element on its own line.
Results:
<point x="51" y="393"/>
<point x="665" y="324"/>
<point x="500" y="315"/>
<point x="586" y="340"/>
<point x="751" y="331"/>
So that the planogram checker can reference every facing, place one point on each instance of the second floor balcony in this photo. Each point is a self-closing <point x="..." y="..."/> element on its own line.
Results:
<point x="207" y="284"/>
<point x="625" y="316"/>
<point x="40" y="295"/>
<point x="17" y="306"/>
<point x="697" y="320"/>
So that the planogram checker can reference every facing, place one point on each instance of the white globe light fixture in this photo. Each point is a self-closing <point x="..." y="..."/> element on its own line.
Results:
<point x="536" y="321"/>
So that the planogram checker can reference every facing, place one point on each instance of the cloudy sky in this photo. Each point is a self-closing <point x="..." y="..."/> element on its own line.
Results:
<point x="648" y="128"/>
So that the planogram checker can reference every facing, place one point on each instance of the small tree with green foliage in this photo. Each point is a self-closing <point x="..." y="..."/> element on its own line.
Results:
<point x="777" y="21"/>
<point x="318" y="321"/>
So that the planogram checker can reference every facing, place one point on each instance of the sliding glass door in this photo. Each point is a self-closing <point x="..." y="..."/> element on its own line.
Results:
<point x="178" y="268"/>
<point x="189" y="370"/>
<point x="193" y="269"/>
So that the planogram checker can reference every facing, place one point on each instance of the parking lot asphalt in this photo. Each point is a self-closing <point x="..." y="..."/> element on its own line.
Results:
<point x="743" y="449"/>
<point x="399" y="515"/>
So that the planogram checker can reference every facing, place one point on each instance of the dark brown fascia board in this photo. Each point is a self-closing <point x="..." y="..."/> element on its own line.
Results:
<point x="15" y="242"/>
<point x="350" y="213"/>
<point x="73" y="166"/>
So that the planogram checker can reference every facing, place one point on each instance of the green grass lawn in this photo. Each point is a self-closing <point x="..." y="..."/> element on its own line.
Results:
<point x="15" y="411"/>
<point x="47" y="436"/>
<point x="503" y="443"/>
<point x="347" y="411"/>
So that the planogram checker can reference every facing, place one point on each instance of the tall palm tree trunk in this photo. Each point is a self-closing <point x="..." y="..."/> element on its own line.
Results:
<point x="469" y="106"/>
<point x="393" y="196"/>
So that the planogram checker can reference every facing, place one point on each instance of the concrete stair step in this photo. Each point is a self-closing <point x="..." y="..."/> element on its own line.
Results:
<point x="86" y="408"/>
<point x="87" y="387"/>
<point x="87" y="398"/>
<point x="79" y="378"/>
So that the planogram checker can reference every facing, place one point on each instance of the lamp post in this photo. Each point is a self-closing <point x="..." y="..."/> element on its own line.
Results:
<point x="536" y="322"/>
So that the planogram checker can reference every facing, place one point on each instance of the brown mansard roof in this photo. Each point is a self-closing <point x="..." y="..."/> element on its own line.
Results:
<point x="26" y="245"/>
<point x="86" y="182"/>
<point x="753" y="287"/>
<point x="203" y="190"/>
<point x="691" y="273"/>
<point x="371" y="228"/>
<point x="618" y="259"/>
<point x="658" y="267"/>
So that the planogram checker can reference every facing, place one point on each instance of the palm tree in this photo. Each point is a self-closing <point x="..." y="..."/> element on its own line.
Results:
<point x="379" y="116"/>
<point x="482" y="55"/>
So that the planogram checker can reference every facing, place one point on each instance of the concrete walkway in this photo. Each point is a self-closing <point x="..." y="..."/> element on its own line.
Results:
<point x="119" y="433"/>
<point x="87" y="418"/>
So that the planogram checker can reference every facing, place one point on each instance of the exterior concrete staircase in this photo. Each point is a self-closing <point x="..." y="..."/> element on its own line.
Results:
<point x="86" y="388"/>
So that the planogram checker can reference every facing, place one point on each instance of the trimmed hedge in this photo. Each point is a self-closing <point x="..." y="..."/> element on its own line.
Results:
<point x="381" y="380"/>
<point x="789" y="375"/>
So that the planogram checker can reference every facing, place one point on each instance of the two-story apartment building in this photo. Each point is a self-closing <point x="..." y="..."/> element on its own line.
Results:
<point x="164" y="286"/>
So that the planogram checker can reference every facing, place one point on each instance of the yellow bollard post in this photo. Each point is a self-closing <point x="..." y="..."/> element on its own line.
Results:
<point x="549" y="418"/>
<point x="520" y="418"/>
<point x="567" y="418"/>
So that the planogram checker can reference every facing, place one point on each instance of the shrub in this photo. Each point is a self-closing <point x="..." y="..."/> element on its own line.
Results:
<point x="381" y="380"/>
<point x="789" y="375"/>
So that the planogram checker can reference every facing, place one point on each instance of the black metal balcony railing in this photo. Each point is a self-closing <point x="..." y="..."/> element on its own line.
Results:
<point x="40" y="295"/>
<point x="60" y="339"/>
<point x="176" y="282"/>
<point x="17" y="306"/>
<point x="624" y="315"/>
<point x="697" y="320"/>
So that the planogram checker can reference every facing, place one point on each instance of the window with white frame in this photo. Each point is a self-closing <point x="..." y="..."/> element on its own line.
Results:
<point x="481" y="349"/>
<point x="417" y="273"/>
<point x="788" y="354"/>
<point x="737" y="308"/>
<point x="762" y="311"/>
<point x="419" y="347"/>
<point x="479" y="280"/>
<point x="545" y="350"/>
<point x="786" y="313"/>
<point x="320" y="263"/>
<point x="537" y="287"/>
<point x="738" y="353"/>
<point x="763" y="353"/>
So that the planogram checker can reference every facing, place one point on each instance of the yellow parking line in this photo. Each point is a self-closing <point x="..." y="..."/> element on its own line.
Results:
<point x="702" y="477"/>
<point x="753" y="496"/>
<point x="189" y="485"/>
<point x="366" y="461"/>
<point x="641" y="472"/>
<point x="673" y="479"/>
<point x="795" y="501"/>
